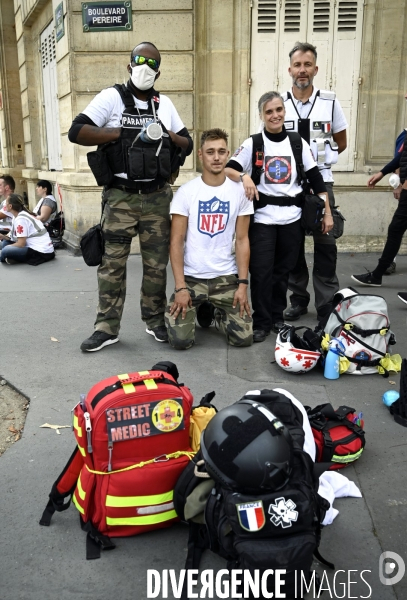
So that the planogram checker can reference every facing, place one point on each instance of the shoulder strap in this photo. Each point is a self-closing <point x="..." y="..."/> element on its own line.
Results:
<point x="296" y="147"/>
<point x="124" y="94"/>
<point x="258" y="146"/>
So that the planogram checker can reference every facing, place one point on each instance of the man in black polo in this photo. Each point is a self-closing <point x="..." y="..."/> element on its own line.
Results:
<point x="137" y="199"/>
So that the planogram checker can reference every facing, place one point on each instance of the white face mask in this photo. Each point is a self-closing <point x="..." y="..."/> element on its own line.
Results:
<point x="143" y="77"/>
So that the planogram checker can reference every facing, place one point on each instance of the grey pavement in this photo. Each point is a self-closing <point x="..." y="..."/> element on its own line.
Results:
<point x="59" y="300"/>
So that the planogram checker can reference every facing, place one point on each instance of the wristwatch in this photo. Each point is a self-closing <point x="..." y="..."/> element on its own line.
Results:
<point x="241" y="175"/>
<point x="245" y="281"/>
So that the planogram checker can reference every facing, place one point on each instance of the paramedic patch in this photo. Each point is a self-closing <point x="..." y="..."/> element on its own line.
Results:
<point x="324" y="126"/>
<point x="251" y="515"/>
<point x="213" y="216"/>
<point x="135" y="121"/>
<point x="144" y="420"/>
<point x="277" y="169"/>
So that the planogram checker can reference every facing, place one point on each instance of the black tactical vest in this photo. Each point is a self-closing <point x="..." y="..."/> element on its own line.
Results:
<point x="139" y="160"/>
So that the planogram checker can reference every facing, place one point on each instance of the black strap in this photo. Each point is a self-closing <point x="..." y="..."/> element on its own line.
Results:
<point x="258" y="146"/>
<point x="128" y="99"/>
<point x="363" y="343"/>
<point x="296" y="147"/>
<point x="117" y="239"/>
<point x="323" y="560"/>
<point x="265" y="200"/>
<point x="198" y="542"/>
<point x="363" y="332"/>
<point x="95" y="541"/>
<point x="207" y="400"/>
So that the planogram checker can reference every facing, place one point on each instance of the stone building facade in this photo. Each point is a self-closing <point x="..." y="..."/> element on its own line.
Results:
<point x="218" y="56"/>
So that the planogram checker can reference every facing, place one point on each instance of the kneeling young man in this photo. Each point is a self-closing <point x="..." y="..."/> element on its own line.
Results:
<point x="206" y="213"/>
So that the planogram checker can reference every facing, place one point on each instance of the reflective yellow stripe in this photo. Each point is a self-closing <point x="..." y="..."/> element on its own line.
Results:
<point x="347" y="458"/>
<point x="76" y="425"/>
<point x="81" y="492"/>
<point x="82" y="450"/>
<point x="128" y="388"/>
<point x="150" y="520"/>
<point x="149" y="383"/>
<point x="122" y="501"/>
<point x="78" y="506"/>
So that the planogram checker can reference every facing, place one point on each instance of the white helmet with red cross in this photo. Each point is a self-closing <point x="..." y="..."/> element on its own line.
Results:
<point x="296" y="354"/>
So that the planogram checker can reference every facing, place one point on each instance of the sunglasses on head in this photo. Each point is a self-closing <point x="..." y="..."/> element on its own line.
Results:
<point x="142" y="60"/>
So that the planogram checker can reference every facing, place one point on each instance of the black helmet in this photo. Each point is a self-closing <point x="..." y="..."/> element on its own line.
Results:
<point x="245" y="447"/>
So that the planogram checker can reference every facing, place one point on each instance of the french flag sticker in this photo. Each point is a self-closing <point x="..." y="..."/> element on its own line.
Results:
<point x="251" y="515"/>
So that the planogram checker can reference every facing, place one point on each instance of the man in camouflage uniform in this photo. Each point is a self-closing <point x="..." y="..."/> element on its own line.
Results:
<point x="137" y="198"/>
<point x="206" y="214"/>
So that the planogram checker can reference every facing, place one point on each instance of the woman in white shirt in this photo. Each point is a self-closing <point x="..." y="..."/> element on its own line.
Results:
<point x="46" y="209"/>
<point x="275" y="234"/>
<point x="29" y="241"/>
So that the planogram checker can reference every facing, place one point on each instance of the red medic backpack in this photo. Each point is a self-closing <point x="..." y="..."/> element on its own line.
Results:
<point x="132" y="434"/>
<point x="339" y="435"/>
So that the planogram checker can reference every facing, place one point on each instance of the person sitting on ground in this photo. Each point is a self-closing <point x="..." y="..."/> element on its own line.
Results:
<point x="206" y="213"/>
<point x="28" y="240"/>
<point x="7" y="187"/>
<point x="46" y="209"/>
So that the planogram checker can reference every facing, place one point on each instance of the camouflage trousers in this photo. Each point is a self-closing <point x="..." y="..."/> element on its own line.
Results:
<point x="220" y="291"/>
<point x="124" y="216"/>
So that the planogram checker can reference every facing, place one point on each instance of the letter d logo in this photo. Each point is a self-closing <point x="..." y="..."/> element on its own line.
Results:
<point x="391" y="568"/>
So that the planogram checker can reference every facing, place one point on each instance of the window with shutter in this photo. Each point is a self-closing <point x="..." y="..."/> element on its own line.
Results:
<point x="50" y="95"/>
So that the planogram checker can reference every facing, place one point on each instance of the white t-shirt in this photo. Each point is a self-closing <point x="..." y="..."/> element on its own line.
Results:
<point x="212" y="213"/>
<point x="8" y="221"/>
<point x="279" y="177"/>
<point x="23" y="226"/>
<point x="107" y="107"/>
<point x="48" y="201"/>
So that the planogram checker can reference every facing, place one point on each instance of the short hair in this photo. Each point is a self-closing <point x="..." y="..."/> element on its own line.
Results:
<point x="214" y="134"/>
<point x="145" y="44"/>
<point x="44" y="183"/>
<point x="304" y="47"/>
<point x="266" y="97"/>
<point x="9" y="180"/>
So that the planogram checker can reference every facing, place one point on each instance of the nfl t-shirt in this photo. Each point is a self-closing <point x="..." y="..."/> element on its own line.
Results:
<point x="279" y="177"/>
<point x="212" y="213"/>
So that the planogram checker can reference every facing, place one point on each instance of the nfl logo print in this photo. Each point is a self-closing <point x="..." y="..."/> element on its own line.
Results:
<point x="251" y="515"/>
<point x="213" y="216"/>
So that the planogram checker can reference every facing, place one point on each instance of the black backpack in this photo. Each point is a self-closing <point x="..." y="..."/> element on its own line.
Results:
<point x="268" y="530"/>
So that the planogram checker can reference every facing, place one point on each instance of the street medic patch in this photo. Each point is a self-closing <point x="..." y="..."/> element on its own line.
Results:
<point x="251" y="515"/>
<point x="277" y="169"/>
<point x="144" y="420"/>
<point x="213" y="216"/>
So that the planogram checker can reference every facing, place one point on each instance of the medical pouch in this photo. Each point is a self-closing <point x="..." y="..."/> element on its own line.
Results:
<point x="339" y="435"/>
<point x="164" y="163"/>
<point x="312" y="212"/>
<point x="339" y="222"/>
<point x="92" y="245"/>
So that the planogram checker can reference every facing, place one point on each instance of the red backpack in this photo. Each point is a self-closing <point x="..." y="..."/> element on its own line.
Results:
<point x="339" y="436"/>
<point x="132" y="432"/>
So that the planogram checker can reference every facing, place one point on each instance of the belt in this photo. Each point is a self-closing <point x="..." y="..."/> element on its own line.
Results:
<point x="265" y="200"/>
<point x="144" y="187"/>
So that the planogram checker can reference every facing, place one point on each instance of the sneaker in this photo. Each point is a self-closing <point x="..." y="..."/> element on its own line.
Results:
<point x="159" y="333"/>
<point x="390" y="270"/>
<point x="205" y="314"/>
<point x="11" y="261"/>
<point x="97" y="341"/>
<point x="402" y="296"/>
<point x="368" y="279"/>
